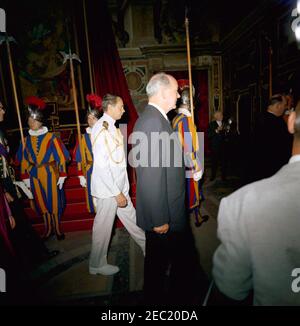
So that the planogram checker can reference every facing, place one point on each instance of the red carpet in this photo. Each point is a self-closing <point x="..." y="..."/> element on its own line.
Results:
<point x="75" y="216"/>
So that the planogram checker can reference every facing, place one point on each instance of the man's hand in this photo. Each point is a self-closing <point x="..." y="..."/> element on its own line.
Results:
<point x="121" y="200"/>
<point x="27" y="183"/>
<point x="9" y="197"/>
<point x="60" y="182"/>
<point x="198" y="175"/>
<point x="82" y="181"/>
<point x="161" y="229"/>
<point x="12" y="222"/>
<point x="220" y="128"/>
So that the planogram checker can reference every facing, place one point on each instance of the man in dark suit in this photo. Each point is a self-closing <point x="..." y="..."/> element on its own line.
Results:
<point x="272" y="144"/>
<point x="216" y="138"/>
<point x="160" y="197"/>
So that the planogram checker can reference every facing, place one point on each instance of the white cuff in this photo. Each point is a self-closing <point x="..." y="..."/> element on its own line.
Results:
<point x="198" y="175"/>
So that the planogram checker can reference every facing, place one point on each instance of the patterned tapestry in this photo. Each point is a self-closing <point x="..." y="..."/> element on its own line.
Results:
<point x="42" y="30"/>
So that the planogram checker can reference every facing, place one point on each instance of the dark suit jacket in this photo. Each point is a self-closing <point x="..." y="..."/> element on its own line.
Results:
<point x="216" y="139"/>
<point x="272" y="145"/>
<point x="160" y="193"/>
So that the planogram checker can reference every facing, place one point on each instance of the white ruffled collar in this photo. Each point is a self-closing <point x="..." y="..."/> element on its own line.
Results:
<point x="184" y="111"/>
<point x="39" y="132"/>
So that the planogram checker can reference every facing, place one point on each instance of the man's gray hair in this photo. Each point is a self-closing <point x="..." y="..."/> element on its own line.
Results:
<point x="156" y="82"/>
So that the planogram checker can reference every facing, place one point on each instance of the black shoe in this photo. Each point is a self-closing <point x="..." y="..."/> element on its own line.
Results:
<point x="45" y="237"/>
<point x="60" y="237"/>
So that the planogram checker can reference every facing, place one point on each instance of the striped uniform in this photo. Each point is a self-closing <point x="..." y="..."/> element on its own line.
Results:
<point x="187" y="134"/>
<point x="44" y="161"/>
<point x="87" y="172"/>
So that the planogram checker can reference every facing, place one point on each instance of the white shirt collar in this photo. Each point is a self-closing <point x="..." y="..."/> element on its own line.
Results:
<point x="160" y="110"/>
<point x="88" y="130"/>
<point x="219" y="122"/>
<point x="295" y="158"/>
<point x="39" y="132"/>
<point x="184" y="111"/>
<point x="109" y="119"/>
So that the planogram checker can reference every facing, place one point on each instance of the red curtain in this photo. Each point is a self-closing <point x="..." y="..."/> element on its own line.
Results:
<point x="201" y="113"/>
<point x="109" y="75"/>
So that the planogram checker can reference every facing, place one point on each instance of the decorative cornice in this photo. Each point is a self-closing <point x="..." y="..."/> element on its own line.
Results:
<point x="197" y="49"/>
<point x="130" y="53"/>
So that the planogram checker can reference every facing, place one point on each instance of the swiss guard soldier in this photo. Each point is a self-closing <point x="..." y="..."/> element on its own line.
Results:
<point x="43" y="168"/>
<point x="27" y="243"/>
<point x="110" y="186"/>
<point x="85" y="167"/>
<point x="187" y="133"/>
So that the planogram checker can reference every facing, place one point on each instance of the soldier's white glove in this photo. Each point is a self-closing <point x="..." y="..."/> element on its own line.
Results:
<point x="82" y="181"/>
<point x="60" y="182"/>
<point x="25" y="189"/>
<point x="198" y="175"/>
<point x="27" y="183"/>
<point x="95" y="202"/>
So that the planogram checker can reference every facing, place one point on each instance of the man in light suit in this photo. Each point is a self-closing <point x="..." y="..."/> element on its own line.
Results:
<point x="160" y="197"/>
<point x="110" y="186"/>
<point x="259" y="229"/>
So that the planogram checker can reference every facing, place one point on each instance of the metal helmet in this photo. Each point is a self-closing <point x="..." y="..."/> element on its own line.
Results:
<point x="35" y="108"/>
<point x="96" y="112"/>
<point x="94" y="105"/>
<point x="184" y="90"/>
<point x="185" y="97"/>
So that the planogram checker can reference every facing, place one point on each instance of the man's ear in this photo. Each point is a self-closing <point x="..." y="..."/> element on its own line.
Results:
<point x="162" y="93"/>
<point x="291" y="122"/>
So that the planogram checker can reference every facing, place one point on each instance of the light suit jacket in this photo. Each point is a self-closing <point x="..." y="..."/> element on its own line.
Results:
<point x="109" y="177"/>
<point x="259" y="229"/>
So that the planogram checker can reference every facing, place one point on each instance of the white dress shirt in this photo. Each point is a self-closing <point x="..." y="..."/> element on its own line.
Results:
<point x="109" y="176"/>
<point x="160" y="110"/>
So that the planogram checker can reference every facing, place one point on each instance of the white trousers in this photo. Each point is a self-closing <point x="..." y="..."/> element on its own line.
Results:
<point x="107" y="209"/>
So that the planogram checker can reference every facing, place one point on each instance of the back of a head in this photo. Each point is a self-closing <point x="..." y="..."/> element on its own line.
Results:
<point x="277" y="98"/>
<point x="156" y="82"/>
<point x="185" y="96"/>
<point x="277" y="104"/>
<point x="109" y="99"/>
<point x="297" y="121"/>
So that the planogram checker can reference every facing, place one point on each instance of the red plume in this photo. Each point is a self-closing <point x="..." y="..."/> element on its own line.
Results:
<point x="183" y="83"/>
<point x="36" y="101"/>
<point x="94" y="101"/>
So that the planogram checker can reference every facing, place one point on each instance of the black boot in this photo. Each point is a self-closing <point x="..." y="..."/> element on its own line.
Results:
<point x="60" y="236"/>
